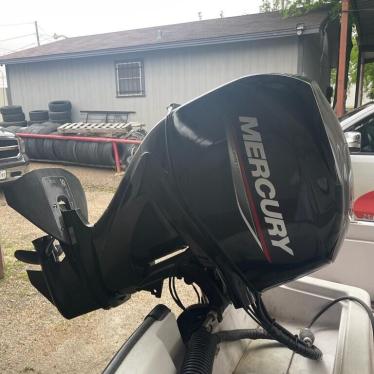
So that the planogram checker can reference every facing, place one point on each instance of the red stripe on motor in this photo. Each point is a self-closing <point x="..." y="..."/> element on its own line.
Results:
<point x="251" y="203"/>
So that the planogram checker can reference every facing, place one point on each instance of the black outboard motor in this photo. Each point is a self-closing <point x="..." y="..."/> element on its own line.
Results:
<point x="252" y="180"/>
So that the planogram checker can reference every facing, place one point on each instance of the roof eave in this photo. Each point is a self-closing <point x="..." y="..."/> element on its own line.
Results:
<point x="163" y="46"/>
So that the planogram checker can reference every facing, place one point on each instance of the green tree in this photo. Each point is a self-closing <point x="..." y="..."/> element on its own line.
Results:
<point x="274" y="5"/>
<point x="297" y="7"/>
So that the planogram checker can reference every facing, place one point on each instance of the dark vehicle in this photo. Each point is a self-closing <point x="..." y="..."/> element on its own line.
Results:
<point x="238" y="191"/>
<point x="13" y="160"/>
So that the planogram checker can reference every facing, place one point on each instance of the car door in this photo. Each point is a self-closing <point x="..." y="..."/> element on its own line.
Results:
<point x="363" y="160"/>
<point x="354" y="264"/>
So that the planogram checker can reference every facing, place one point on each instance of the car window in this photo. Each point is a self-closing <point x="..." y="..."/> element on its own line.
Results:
<point x="366" y="128"/>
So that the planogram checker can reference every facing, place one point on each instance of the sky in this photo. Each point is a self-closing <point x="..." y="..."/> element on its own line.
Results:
<point x="73" y="18"/>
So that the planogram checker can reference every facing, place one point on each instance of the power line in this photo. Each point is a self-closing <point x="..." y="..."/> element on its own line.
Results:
<point x="44" y="31"/>
<point x="16" y="37"/>
<point x="16" y="24"/>
<point x="46" y="37"/>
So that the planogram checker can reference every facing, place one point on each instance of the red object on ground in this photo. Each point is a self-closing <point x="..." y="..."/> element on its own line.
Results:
<point x="363" y="207"/>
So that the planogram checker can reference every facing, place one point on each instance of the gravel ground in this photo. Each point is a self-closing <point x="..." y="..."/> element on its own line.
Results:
<point x="34" y="337"/>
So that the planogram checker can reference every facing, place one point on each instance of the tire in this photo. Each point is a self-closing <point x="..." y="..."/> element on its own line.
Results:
<point x="33" y="146"/>
<point x="87" y="153"/>
<point x="71" y="151"/>
<point x="27" y="146"/>
<point x="60" y="116"/>
<point x="105" y="155"/>
<point x="31" y="129"/>
<point x="38" y="115"/>
<point x="14" y="129"/>
<point x="48" y="149"/>
<point x="16" y="123"/>
<point x="14" y="117"/>
<point x="11" y="109"/>
<point x="40" y="149"/>
<point x="59" y="106"/>
<point x="60" y="122"/>
<point x="59" y="149"/>
<point x="37" y="149"/>
<point x="41" y="128"/>
<point x="48" y="127"/>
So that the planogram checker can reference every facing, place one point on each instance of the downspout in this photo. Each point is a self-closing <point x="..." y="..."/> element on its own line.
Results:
<point x="300" y="56"/>
<point x="300" y="48"/>
<point x="342" y="67"/>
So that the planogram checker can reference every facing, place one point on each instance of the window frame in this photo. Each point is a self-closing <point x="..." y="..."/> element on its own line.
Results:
<point x="140" y="62"/>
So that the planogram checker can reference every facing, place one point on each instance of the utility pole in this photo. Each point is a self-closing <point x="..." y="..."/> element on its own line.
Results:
<point x="37" y="32"/>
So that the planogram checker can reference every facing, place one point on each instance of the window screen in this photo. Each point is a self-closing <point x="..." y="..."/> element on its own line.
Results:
<point x="130" y="78"/>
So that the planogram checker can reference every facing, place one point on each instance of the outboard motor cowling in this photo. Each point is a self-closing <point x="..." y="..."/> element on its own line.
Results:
<point x="253" y="178"/>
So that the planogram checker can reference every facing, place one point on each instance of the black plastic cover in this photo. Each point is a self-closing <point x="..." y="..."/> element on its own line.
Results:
<point x="254" y="177"/>
<point x="38" y="197"/>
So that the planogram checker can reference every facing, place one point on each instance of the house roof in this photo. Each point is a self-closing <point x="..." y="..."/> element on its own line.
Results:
<point x="213" y="31"/>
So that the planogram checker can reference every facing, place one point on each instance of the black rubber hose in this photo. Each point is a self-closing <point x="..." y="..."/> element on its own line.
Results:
<point x="283" y="336"/>
<point x="344" y="298"/>
<point x="234" y="335"/>
<point x="201" y="350"/>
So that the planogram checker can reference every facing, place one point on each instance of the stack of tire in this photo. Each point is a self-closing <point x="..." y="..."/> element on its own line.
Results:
<point x="38" y="116"/>
<point x="59" y="111"/>
<point x="87" y="153"/>
<point x="40" y="149"/>
<point x="69" y="151"/>
<point x="13" y="116"/>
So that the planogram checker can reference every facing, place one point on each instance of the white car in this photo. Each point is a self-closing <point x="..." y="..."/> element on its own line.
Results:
<point x="358" y="126"/>
<point x="354" y="264"/>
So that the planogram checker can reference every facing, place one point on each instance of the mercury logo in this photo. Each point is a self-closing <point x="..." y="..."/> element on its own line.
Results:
<point x="259" y="169"/>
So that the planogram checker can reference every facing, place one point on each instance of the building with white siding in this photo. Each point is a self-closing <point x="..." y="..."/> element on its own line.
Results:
<point x="147" y="69"/>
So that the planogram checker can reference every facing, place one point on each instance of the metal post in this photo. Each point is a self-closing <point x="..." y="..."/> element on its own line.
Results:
<point x="342" y="66"/>
<point x="358" y="76"/>
<point x="360" y="82"/>
<point x="37" y="32"/>
<point x="116" y="157"/>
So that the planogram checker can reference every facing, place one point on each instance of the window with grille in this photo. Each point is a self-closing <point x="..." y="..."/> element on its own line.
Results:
<point x="130" y="78"/>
